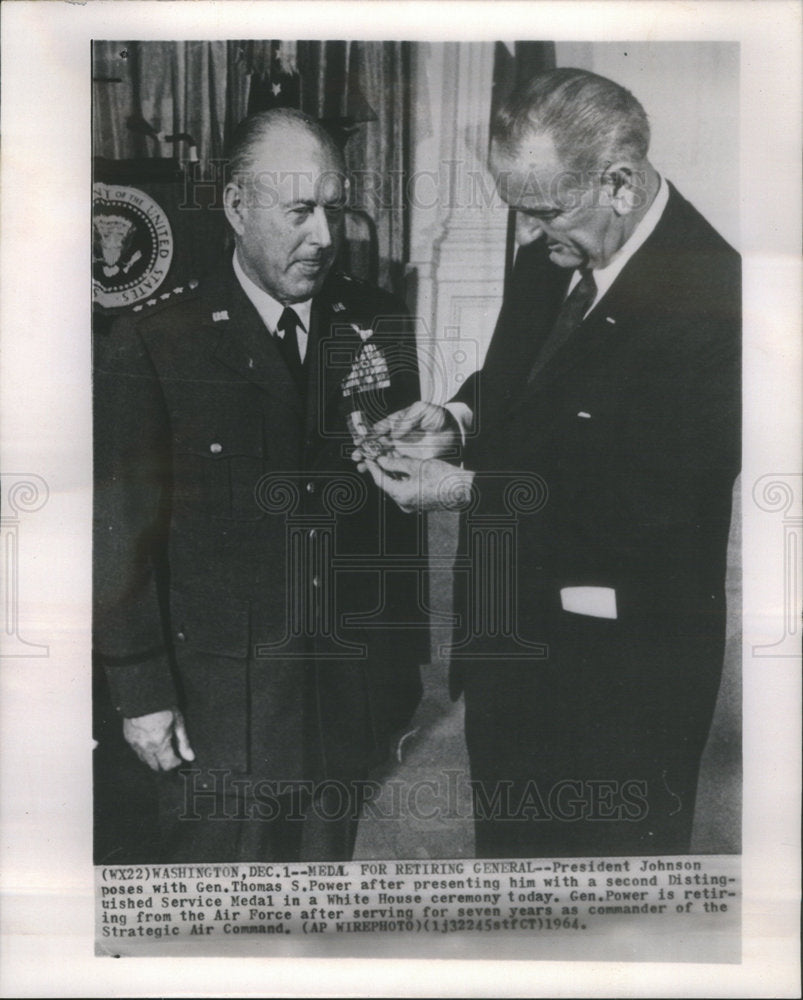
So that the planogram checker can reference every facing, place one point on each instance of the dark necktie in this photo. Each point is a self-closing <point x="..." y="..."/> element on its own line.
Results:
<point x="288" y="344"/>
<point x="568" y="319"/>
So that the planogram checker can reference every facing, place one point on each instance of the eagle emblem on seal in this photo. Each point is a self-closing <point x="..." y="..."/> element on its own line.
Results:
<point x="132" y="245"/>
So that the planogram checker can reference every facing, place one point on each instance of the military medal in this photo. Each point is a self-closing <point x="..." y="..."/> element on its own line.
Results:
<point x="369" y="373"/>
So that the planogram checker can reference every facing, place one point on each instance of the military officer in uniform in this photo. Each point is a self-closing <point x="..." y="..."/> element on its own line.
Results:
<point x="258" y="605"/>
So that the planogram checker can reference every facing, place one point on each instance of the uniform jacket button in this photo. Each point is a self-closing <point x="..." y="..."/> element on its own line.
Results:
<point x="216" y="448"/>
<point x="310" y="487"/>
<point x="181" y="636"/>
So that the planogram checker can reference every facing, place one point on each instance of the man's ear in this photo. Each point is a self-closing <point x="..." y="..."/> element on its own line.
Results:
<point x="234" y="206"/>
<point x="620" y="180"/>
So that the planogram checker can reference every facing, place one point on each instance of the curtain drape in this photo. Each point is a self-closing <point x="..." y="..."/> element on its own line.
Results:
<point x="147" y="91"/>
<point x="378" y="153"/>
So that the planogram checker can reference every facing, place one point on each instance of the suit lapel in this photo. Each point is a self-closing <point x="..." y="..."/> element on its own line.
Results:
<point x="608" y="321"/>
<point x="594" y="339"/>
<point x="588" y="340"/>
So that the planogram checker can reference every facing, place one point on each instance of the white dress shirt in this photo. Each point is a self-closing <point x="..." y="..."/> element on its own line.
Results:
<point x="604" y="277"/>
<point x="270" y="310"/>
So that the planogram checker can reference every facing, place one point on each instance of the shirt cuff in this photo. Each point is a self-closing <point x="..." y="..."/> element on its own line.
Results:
<point x="463" y="416"/>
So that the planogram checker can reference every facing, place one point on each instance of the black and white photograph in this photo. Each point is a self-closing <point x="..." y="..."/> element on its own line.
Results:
<point x="423" y="492"/>
<point x="273" y="477"/>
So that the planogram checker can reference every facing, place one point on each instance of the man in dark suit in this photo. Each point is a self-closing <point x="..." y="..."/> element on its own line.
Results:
<point x="601" y="448"/>
<point x="258" y="603"/>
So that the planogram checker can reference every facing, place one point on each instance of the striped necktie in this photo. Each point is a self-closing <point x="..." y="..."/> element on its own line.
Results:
<point x="567" y="321"/>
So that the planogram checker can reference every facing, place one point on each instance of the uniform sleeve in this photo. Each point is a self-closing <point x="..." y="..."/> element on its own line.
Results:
<point x="131" y="475"/>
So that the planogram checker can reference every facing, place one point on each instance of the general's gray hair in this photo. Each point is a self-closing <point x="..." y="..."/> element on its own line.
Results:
<point x="253" y="130"/>
<point x="592" y="120"/>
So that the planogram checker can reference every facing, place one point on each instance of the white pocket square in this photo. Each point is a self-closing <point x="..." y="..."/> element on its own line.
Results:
<point x="598" y="602"/>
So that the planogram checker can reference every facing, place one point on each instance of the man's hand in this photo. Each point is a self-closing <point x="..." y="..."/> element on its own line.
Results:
<point x="151" y="738"/>
<point x="416" y="485"/>
<point x="421" y="431"/>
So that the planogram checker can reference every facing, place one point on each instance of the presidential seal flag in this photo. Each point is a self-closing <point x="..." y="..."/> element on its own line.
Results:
<point x="132" y="245"/>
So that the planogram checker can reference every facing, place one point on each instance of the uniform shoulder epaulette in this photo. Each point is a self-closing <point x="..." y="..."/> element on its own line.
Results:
<point x="178" y="294"/>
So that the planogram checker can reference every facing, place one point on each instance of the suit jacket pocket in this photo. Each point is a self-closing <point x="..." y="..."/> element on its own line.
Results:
<point x="217" y="627"/>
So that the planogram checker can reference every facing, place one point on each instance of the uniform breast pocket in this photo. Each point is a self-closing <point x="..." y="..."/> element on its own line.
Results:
<point x="217" y="466"/>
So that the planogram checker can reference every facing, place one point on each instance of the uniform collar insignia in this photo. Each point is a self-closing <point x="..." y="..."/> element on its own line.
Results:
<point x="219" y="316"/>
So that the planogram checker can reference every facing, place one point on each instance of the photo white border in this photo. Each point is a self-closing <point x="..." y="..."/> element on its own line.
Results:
<point x="46" y="905"/>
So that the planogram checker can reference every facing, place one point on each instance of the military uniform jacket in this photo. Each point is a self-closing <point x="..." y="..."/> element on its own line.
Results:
<point x="244" y="570"/>
<point x="611" y="469"/>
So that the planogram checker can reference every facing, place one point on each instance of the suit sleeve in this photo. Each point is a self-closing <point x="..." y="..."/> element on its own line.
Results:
<point x="130" y="509"/>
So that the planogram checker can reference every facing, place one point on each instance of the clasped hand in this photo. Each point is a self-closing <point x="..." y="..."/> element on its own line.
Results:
<point x="407" y="464"/>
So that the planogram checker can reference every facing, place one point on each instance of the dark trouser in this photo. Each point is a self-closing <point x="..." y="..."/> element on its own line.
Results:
<point x="309" y="823"/>
<point x="594" y="750"/>
<point x="554" y="816"/>
<point x="218" y="815"/>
